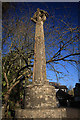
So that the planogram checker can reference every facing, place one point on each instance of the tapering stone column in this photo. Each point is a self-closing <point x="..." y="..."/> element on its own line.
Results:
<point x="39" y="69"/>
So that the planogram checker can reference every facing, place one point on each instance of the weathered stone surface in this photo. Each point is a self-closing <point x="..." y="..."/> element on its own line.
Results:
<point x="40" y="96"/>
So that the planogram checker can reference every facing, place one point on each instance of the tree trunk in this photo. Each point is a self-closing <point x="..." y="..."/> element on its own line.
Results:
<point x="5" y="114"/>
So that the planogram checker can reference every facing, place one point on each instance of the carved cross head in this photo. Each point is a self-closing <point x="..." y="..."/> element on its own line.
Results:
<point x="39" y="15"/>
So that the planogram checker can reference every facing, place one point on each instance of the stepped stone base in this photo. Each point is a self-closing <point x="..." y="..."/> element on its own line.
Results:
<point x="48" y="113"/>
<point x="40" y="96"/>
<point x="41" y="113"/>
<point x="41" y="103"/>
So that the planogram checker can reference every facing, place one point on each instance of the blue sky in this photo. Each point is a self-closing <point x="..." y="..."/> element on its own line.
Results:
<point x="58" y="10"/>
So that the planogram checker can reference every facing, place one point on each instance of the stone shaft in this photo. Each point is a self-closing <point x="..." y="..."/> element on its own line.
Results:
<point x="39" y="69"/>
<point x="39" y="73"/>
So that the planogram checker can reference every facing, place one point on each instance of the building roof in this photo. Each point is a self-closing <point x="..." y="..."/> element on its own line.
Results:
<point x="58" y="86"/>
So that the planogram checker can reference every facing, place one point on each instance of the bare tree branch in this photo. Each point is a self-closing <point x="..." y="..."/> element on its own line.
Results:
<point x="63" y="58"/>
<point x="14" y="84"/>
<point x="5" y="76"/>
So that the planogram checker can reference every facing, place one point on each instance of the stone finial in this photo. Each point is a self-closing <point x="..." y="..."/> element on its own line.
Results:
<point x="39" y="15"/>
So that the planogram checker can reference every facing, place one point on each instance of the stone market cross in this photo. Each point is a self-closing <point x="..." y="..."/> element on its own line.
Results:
<point x="40" y="99"/>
